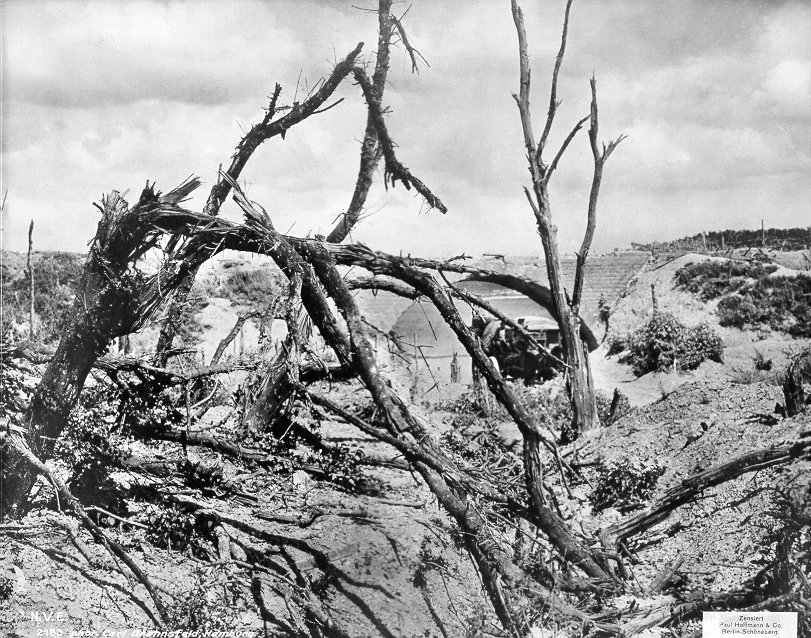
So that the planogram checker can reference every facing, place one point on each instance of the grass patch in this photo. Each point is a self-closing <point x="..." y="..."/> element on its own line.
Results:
<point x="56" y="276"/>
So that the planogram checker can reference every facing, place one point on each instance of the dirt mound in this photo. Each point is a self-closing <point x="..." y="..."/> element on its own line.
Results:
<point x="721" y="536"/>
<point x="381" y="559"/>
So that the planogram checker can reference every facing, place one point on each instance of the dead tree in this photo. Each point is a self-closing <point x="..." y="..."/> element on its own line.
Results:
<point x="580" y="381"/>
<point x="493" y="561"/>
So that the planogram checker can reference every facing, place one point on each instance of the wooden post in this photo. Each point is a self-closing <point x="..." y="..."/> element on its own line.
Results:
<point x="31" y="315"/>
<point x="415" y="380"/>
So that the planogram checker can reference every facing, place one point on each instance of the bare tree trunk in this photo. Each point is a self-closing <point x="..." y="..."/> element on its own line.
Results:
<point x="276" y="387"/>
<point x="90" y="329"/>
<point x="106" y="307"/>
<point x="582" y="395"/>
<point x="370" y="151"/>
<point x="227" y="339"/>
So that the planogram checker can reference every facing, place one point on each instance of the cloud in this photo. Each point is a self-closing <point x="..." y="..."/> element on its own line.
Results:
<point x="714" y="97"/>
<point x="68" y="53"/>
<point x="788" y="83"/>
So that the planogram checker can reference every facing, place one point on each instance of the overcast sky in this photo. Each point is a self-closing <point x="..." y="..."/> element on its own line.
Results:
<point x="715" y="97"/>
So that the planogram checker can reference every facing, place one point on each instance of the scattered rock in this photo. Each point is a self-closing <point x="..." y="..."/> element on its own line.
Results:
<point x="301" y="479"/>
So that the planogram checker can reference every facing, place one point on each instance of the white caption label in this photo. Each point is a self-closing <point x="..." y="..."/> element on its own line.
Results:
<point x="749" y="624"/>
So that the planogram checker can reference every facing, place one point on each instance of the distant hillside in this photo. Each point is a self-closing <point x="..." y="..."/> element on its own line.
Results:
<point x="250" y="282"/>
<point x="774" y="238"/>
<point x="55" y="277"/>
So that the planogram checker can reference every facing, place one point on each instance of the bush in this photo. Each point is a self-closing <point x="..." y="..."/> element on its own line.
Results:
<point x="485" y="451"/>
<point x="802" y="317"/>
<point x="655" y="346"/>
<point x="177" y="529"/>
<point x="467" y="405"/>
<point x="211" y="607"/>
<point x="784" y="547"/>
<point x="701" y="342"/>
<point x="713" y="279"/>
<point x="605" y="402"/>
<point x="625" y="484"/>
<point x="91" y="452"/>
<point x="778" y="238"/>
<point x="761" y="363"/>
<point x="748" y="376"/>
<point x="251" y="289"/>
<point x="664" y="343"/>
<point x="617" y="343"/>
<point x="750" y="296"/>
<point x="738" y="312"/>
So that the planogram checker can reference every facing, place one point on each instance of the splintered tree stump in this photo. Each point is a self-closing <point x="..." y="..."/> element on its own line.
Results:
<point x="483" y="396"/>
<point x="793" y="390"/>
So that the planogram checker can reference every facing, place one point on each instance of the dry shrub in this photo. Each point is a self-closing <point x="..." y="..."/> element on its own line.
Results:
<point x="664" y="343"/>
<point x="625" y="485"/>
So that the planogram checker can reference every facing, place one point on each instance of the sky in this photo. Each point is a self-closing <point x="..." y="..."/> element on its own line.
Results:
<point x="714" y="96"/>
